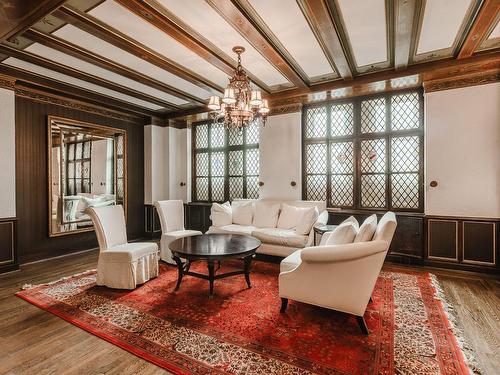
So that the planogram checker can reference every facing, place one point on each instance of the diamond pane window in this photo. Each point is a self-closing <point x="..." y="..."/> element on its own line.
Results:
<point x="405" y="154"/>
<point x="373" y="116"/>
<point x="316" y="122"/>
<point x="316" y="158"/>
<point x="373" y="156"/>
<point x="316" y="187"/>
<point x="217" y="136"/>
<point x="405" y="190"/>
<point x="373" y="188"/>
<point x="342" y="194"/>
<point x="341" y="120"/>
<point x="405" y="113"/>
<point x="119" y="188"/>
<point x="365" y="161"/>
<point x="214" y="179"/>
<point x="201" y="136"/>
<point x="342" y="157"/>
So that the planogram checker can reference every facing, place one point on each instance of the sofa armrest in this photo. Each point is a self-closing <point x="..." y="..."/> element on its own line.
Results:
<point x="342" y="253"/>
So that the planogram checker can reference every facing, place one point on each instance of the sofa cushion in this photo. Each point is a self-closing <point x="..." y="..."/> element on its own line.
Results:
<point x="282" y="237"/>
<point x="221" y="214"/>
<point x="343" y="234"/>
<point x="291" y="262"/>
<point x="367" y="229"/>
<point x="242" y="212"/>
<point x="289" y="217"/>
<point x="266" y="214"/>
<point x="308" y="217"/>
<point x="232" y="229"/>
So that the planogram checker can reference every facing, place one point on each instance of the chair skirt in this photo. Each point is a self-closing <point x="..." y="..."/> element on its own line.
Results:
<point x="127" y="275"/>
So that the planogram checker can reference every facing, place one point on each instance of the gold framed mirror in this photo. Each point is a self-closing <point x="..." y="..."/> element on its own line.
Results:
<point x="87" y="167"/>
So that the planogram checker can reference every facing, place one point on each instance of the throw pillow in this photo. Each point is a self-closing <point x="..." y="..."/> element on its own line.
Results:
<point x="289" y="217"/>
<point x="367" y="229"/>
<point x="242" y="212"/>
<point x="343" y="234"/>
<point x="308" y="217"/>
<point x="221" y="214"/>
<point x="266" y="214"/>
<point x="352" y="220"/>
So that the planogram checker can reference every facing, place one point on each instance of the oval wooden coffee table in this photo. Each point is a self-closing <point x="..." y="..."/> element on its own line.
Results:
<point x="213" y="248"/>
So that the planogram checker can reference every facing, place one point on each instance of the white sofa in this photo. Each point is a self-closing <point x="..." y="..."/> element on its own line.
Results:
<point x="338" y="277"/>
<point x="277" y="241"/>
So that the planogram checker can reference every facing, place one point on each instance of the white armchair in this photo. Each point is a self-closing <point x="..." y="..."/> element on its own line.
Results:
<point x="338" y="277"/>
<point x="121" y="265"/>
<point x="171" y="215"/>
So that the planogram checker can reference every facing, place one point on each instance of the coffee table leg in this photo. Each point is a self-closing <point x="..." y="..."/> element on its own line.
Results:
<point x="211" y="276"/>
<point x="180" y="268"/>
<point x="248" y="264"/>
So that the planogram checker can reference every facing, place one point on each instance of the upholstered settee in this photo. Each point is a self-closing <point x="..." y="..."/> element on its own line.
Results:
<point x="282" y="226"/>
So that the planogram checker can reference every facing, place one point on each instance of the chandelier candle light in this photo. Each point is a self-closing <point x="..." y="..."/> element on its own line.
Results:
<point x="240" y="104"/>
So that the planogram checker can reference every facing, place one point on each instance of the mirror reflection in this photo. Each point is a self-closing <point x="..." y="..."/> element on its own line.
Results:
<point x="87" y="169"/>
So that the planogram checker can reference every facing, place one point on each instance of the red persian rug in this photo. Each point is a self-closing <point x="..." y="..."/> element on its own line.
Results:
<point x="240" y="330"/>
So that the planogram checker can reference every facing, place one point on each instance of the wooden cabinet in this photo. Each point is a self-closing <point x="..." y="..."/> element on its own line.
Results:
<point x="8" y="245"/>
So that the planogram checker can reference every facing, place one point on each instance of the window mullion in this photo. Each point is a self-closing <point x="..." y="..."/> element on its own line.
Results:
<point x="328" y="155"/>
<point x="388" y="168"/>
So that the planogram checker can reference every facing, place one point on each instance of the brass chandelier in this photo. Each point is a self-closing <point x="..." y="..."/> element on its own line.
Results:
<point x="240" y="104"/>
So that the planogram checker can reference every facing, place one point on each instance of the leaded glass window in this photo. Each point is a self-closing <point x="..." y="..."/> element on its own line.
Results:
<point x="225" y="162"/>
<point x="365" y="153"/>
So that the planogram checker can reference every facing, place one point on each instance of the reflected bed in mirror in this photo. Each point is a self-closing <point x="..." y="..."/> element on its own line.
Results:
<point x="86" y="168"/>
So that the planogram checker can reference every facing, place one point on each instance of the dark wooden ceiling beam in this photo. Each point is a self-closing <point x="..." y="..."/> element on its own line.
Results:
<point x="404" y="18"/>
<point x="323" y="26"/>
<point x="95" y="27"/>
<point x="83" y="54"/>
<point x="70" y="91"/>
<point x="75" y="73"/>
<point x="246" y="27"/>
<point x="171" y="25"/>
<point x="484" y="20"/>
<point x="19" y="15"/>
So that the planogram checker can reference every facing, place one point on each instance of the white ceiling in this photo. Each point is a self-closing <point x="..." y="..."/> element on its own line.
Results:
<point x="294" y="33"/>
<point x="11" y="61"/>
<point x="365" y="21"/>
<point x="201" y="17"/>
<point x="496" y="32"/>
<point x="441" y="23"/>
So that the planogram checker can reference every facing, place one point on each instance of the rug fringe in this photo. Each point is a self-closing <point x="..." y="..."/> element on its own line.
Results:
<point x="467" y="350"/>
<point x="31" y="286"/>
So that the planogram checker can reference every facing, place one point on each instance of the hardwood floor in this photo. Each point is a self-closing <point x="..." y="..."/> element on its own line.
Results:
<point x="36" y="342"/>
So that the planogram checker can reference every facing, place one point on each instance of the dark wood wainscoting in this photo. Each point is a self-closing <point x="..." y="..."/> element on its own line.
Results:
<point x="31" y="180"/>
<point x="197" y="216"/>
<point x="152" y="223"/>
<point x="8" y="244"/>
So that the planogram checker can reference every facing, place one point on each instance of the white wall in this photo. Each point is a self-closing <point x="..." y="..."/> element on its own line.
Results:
<point x="462" y="151"/>
<point x="7" y="154"/>
<point x="156" y="163"/>
<point x="178" y="163"/>
<point x="280" y="157"/>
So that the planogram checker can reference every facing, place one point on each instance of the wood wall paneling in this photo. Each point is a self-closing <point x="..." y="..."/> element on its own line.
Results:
<point x="8" y="242"/>
<point x="31" y="180"/>
<point x="479" y="242"/>
<point x="442" y="239"/>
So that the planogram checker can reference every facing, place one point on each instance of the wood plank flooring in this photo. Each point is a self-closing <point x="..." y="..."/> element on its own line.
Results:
<point x="33" y="341"/>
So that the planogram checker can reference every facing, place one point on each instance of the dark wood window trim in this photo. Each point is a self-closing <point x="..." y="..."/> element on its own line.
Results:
<point x="357" y="137"/>
<point x="248" y="178"/>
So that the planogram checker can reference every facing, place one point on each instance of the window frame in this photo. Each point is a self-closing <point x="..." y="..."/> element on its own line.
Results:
<point x="357" y="137"/>
<point x="226" y="149"/>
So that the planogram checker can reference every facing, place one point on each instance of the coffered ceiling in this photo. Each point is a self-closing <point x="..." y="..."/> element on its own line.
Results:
<point x="168" y="56"/>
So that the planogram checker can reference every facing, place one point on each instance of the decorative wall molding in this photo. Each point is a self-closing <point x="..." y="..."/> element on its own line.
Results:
<point x="7" y="82"/>
<point x="286" y="108"/>
<point x="44" y="97"/>
<point x="462" y="81"/>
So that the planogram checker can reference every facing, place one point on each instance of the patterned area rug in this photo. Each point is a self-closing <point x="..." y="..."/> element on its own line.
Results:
<point x="241" y="331"/>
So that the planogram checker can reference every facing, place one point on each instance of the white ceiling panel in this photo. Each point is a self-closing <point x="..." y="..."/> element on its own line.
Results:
<point x="286" y="21"/>
<point x="441" y="23"/>
<point x="11" y="61"/>
<point x="136" y="28"/>
<point x="73" y="62"/>
<point x="111" y="52"/>
<point x="206" y="21"/>
<point x="496" y="32"/>
<point x="365" y="23"/>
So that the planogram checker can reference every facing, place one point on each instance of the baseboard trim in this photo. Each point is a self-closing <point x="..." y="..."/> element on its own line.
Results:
<point x="59" y="256"/>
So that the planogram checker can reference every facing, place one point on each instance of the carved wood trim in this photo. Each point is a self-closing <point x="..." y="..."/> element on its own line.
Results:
<point x="7" y="82"/>
<point x="464" y="81"/>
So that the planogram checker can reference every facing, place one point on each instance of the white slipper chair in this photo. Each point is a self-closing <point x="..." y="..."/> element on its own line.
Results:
<point x="171" y="215"/>
<point x="121" y="265"/>
<point x="338" y="277"/>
